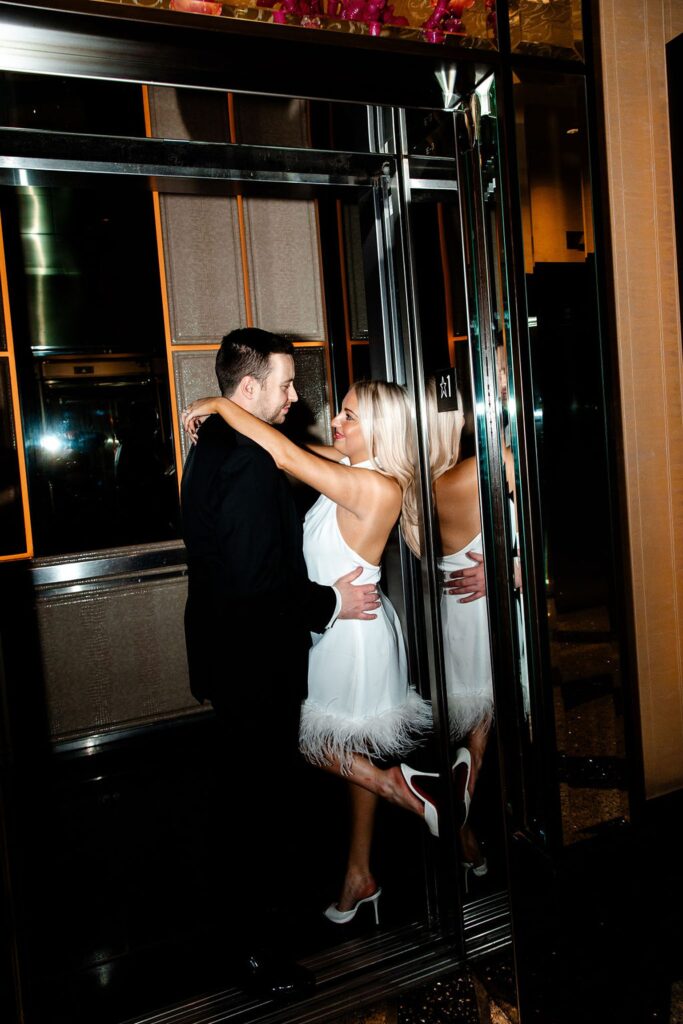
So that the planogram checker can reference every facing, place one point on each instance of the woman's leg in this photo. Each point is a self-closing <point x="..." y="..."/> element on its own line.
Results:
<point x="476" y="744"/>
<point x="359" y="881"/>
<point x="385" y="782"/>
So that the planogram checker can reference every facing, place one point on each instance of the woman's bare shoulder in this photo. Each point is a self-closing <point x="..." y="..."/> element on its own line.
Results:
<point x="460" y="480"/>
<point x="380" y="489"/>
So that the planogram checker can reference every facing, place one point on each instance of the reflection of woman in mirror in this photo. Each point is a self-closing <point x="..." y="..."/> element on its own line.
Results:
<point x="360" y="713"/>
<point x="467" y="660"/>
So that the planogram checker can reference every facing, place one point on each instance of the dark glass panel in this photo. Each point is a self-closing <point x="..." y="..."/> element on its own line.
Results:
<point x="360" y="362"/>
<point x="90" y="270"/>
<point x="89" y="340"/>
<point x="574" y="471"/>
<point x="12" y="534"/>
<point x="70" y="105"/>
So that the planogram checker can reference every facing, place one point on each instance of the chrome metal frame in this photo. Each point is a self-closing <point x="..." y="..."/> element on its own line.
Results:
<point x="137" y="46"/>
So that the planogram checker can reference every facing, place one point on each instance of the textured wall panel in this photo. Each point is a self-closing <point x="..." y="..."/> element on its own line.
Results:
<point x="271" y="121"/>
<point x="650" y="360"/>
<point x="311" y="386"/>
<point x="195" y="377"/>
<point x="284" y="267"/>
<point x="203" y="267"/>
<point x="194" y="114"/>
<point x="114" y="657"/>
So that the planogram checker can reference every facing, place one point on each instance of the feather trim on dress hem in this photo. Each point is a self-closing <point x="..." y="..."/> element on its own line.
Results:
<point x="468" y="712"/>
<point x="325" y="737"/>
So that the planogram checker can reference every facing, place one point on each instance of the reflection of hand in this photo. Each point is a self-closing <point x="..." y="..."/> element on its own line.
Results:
<point x="468" y="582"/>
<point x="518" y="573"/>
<point x="358" y="600"/>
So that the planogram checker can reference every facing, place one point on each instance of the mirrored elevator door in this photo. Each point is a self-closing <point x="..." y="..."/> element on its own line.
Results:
<point x="326" y="264"/>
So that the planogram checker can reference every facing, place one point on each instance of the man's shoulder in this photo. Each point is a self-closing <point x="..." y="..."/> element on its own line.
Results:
<point x="223" y="448"/>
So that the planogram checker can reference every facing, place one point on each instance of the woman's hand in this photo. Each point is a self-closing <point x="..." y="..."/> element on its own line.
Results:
<point x="195" y="414"/>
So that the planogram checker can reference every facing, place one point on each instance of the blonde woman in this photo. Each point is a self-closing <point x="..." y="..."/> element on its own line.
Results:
<point x="360" y="707"/>
<point x="467" y="659"/>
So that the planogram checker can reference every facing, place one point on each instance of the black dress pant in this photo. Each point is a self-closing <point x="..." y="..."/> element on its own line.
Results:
<point x="256" y="812"/>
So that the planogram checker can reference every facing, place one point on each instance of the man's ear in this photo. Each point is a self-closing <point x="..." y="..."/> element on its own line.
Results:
<point x="249" y="388"/>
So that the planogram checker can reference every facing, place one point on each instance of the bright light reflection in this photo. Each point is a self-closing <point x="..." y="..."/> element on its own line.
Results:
<point x="51" y="443"/>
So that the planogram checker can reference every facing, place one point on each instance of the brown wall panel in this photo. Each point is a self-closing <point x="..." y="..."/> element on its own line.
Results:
<point x="284" y="267"/>
<point x="193" y="114"/>
<point x="650" y="360"/>
<point x="195" y="377"/>
<point x="271" y="121"/>
<point x="203" y="260"/>
<point x="115" y="656"/>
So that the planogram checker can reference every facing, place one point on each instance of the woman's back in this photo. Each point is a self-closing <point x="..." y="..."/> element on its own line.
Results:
<point x="457" y="504"/>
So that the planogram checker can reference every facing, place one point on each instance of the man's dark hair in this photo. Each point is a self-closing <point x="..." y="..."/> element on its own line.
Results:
<point x="246" y="352"/>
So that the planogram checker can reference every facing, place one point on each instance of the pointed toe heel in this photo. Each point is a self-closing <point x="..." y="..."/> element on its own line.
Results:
<point x="412" y="779"/>
<point x="460" y="772"/>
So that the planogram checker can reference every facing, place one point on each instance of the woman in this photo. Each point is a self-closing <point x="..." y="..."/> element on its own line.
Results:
<point x="467" y="659"/>
<point x="360" y="708"/>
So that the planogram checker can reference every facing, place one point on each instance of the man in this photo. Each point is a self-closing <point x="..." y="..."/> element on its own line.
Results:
<point x="249" y="614"/>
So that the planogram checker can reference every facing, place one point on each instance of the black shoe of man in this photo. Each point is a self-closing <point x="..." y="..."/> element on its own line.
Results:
<point x="274" y="976"/>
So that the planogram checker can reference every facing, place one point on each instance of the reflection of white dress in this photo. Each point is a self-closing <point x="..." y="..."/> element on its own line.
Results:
<point x="467" y="657"/>
<point x="359" y="700"/>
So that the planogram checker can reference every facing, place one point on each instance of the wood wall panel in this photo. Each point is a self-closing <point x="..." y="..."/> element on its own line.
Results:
<point x="633" y="36"/>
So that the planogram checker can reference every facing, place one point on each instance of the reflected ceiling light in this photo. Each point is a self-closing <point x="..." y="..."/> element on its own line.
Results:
<point x="572" y="131"/>
<point x="446" y="80"/>
<point x="51" y="443"/>
<point x="483" y="91"/>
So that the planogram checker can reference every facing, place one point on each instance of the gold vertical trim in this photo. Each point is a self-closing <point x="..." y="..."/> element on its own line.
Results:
<point x="245" y="261"/>
<point x="163" y="283"/>
<point x="16" y="410"/>
<point x="241" y="222"/>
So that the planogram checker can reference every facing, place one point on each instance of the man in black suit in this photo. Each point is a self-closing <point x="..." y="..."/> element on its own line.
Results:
<point x="249" y="614"/>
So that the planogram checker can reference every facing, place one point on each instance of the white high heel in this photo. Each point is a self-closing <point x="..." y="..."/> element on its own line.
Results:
<point x="478" y="871"/>
<point x="463" y="757"/>
<point x="431" y="810"/>
<point x="344" y="916"/>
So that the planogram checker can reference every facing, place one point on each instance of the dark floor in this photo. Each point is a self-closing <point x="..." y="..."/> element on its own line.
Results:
<point x="119" y="909"/>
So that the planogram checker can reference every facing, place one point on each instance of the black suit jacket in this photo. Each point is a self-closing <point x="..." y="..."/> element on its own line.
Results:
<point x="250" y="606"/>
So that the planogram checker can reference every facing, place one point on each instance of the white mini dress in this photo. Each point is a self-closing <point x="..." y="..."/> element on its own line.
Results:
<point x="467" y="655"/>
<point x="359" y="699"/>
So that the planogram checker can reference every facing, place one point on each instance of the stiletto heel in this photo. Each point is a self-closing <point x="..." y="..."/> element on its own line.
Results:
<point x="461" y="770"/>
<point x="411" y="777"/>
<point x="344" y="916"/>
<point x="479" y="871"/>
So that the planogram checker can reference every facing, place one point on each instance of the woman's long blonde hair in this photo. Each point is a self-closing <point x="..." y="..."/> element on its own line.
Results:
<point x="384" y="416"/>
<point x="444" y="431"/>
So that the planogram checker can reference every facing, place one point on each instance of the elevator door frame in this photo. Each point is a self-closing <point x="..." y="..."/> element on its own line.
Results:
<point x="47" y="159"/>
